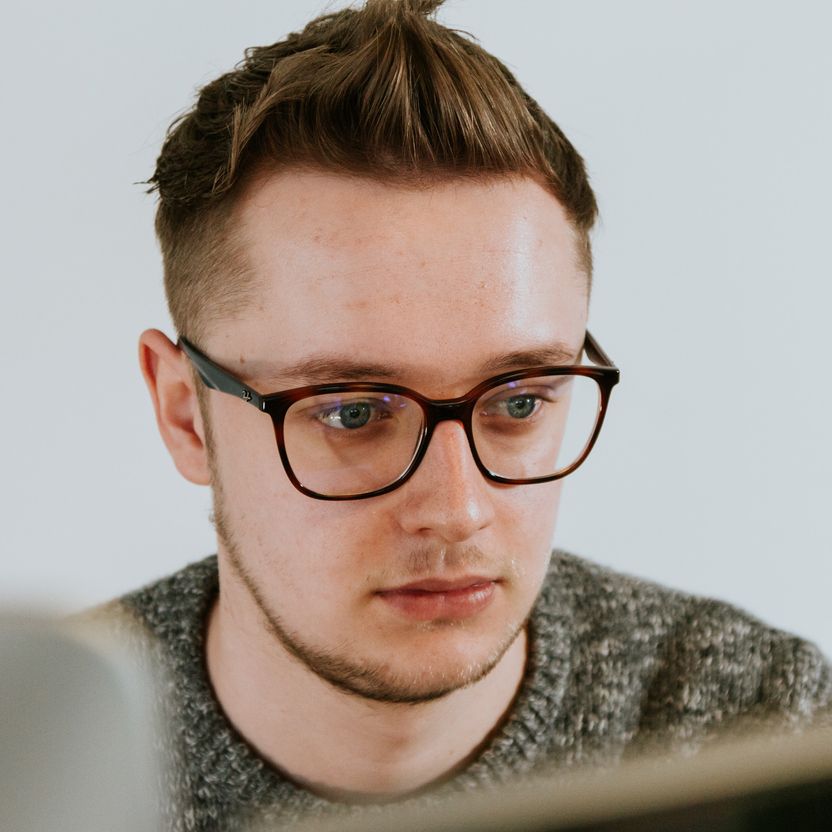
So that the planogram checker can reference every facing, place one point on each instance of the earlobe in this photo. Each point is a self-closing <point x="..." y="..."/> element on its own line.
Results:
<point x="168" y="377"/>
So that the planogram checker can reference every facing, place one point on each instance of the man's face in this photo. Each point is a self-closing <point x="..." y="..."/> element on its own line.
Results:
<point x="435" y="283"/>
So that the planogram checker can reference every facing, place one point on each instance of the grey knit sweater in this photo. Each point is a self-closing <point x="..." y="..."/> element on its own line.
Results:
<point x="614" y="662"/>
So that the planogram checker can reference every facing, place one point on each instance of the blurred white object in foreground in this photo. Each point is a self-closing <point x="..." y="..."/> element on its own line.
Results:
<point x="76" y="733"/>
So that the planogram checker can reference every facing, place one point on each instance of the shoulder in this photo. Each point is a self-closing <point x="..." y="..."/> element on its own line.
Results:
<point x="688" y="658"/>
<point x="176" y="601"/>
<point x="166" y="612"/>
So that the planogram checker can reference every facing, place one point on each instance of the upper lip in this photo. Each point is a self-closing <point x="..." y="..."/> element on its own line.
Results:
<point x="440" y="585"/>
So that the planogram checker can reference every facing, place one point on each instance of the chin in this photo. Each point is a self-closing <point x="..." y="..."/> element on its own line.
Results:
<point x="408" y="687"/>
<point x="454" y="659"/>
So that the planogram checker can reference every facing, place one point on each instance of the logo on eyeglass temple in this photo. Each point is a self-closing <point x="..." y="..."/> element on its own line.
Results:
<point x="246" y="395"/>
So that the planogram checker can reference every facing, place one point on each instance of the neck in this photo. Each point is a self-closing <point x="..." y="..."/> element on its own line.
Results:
<point x="337" y="744"/>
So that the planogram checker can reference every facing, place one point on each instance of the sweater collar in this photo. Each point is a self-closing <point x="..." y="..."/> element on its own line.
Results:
<point x="225" y="770"/>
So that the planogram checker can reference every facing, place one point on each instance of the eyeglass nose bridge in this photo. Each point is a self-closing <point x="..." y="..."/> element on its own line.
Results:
<point x="447" y="410"/>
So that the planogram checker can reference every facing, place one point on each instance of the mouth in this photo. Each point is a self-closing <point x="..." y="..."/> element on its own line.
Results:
<point x="434" y="598"/>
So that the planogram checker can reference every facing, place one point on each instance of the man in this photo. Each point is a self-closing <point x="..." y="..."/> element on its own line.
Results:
<point x="377" y="259"/>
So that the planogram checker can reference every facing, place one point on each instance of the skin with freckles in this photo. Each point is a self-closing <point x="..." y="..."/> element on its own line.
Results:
<point x="313" y="664"/>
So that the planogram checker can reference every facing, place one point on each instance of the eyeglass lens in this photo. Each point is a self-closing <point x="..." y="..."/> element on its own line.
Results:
<point x="357" y="442"/>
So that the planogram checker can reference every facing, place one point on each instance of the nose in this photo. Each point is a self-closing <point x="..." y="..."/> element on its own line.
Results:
<point x="447" y="497"/>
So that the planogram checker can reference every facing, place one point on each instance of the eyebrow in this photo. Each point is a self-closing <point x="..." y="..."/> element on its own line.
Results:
<point x="323" y="369"/>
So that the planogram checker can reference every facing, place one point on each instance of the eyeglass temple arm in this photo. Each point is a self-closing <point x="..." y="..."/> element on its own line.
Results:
<point x="595" y="353"/>
<point x="218" y="379"/>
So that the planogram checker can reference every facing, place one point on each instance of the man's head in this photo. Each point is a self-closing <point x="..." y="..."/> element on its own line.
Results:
<point x="374" y="192"/>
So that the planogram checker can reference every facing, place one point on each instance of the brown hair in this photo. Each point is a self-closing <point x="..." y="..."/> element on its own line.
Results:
<point x="383" y="91"/>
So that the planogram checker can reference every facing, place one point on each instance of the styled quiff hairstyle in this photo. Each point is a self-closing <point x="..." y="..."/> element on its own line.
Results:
<point x="383" y="91"/>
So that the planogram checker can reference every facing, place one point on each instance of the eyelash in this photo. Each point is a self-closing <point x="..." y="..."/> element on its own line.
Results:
<point x="322" y="416"/>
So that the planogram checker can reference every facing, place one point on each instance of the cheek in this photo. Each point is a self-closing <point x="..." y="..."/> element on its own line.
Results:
<point x="526" y="529"/>
<point x="528" y="512"/>
<point x="266" y="510"/>
<point x="284" y="535"/>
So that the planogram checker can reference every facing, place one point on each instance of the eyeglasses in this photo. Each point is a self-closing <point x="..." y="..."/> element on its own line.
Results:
<point x="350" y="441"/>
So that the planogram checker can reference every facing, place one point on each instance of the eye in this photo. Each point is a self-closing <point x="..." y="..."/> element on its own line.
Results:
<point x="521" y="407"/>
<point x="517" y="406"/>
<point x="351" y="415"/>
<point x="523" y="404"/>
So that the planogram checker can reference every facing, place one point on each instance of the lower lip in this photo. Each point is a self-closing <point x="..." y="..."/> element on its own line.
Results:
<point x="421" y="605"/>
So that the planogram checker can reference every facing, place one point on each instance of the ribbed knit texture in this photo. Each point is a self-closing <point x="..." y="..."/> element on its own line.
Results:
<point x="614" y="663"/>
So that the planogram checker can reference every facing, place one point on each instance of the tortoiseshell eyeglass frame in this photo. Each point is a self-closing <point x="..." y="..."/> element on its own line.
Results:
<point x="461" y="409"/>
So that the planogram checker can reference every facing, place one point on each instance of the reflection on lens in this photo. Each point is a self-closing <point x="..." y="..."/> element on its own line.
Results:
<point x="351" y="443"/>
<point x="536" y="427"/>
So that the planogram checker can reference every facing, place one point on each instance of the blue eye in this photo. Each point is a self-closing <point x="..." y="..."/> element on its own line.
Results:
<point x="354" y="415"/>
<point x="521" y="407"/>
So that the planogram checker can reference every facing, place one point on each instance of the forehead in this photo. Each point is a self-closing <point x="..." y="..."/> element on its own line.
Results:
<point x="435" y="280"/>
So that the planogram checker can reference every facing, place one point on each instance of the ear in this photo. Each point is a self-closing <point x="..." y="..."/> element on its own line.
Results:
<point x="167" y="372"/>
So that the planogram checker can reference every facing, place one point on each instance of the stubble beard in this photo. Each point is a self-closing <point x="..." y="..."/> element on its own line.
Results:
<point x="366" y="679"/>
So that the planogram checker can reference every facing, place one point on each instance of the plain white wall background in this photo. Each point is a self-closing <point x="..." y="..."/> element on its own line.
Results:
<point x="706" y="127"/>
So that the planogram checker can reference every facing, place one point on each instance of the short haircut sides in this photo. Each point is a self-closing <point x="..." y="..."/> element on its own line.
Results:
<point x="382" y="91"/>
